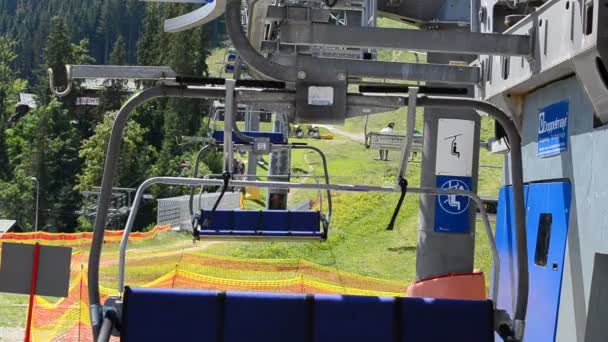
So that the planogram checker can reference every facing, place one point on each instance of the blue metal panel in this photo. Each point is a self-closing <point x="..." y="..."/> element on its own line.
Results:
<point x="275" y="220"/>
<point x="221" y="219"/>
<point x="271" y="223"/>
<point x="445" y="320"/>
<point x="275" y="138"/>
<point x="305" y="220"/>
<point x="168" y="315"/>
<point x="545" y="280"/>
<point x="267" y="317"/>
<point x="505" y="244"/>
<point x="353" y="318"/>
<point x="452" y="211"/>
<point x="247" y="220"/>
<point x="192" y="315"/>
<point x="263" y="233"/>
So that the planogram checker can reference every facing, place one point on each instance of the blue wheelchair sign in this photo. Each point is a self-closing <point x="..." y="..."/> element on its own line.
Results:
<point x="451" y="211"/>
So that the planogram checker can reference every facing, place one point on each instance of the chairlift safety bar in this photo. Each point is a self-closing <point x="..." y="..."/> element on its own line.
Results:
<point x="290" y="185"/>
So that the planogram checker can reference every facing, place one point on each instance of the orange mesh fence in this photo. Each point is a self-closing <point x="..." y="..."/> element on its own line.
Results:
<point x="78" y="239"/>
<point x="68" y="319"/>
<point x="221" y="266"/>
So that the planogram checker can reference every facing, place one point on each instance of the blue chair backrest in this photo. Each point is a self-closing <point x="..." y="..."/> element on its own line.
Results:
<point x="275" y="138"/>
<point x="195" y="315"/>
<point x="266" y="221"/>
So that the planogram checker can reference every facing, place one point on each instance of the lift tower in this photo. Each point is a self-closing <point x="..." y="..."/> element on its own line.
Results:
<point x="450" y="158"/>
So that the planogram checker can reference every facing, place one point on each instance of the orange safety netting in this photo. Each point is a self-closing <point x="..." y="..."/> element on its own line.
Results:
<point x="78" y="239"/>
<point x="68" y="319"/>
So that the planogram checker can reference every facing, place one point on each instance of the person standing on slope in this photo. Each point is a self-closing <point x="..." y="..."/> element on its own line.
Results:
<point x="389" y="129"/>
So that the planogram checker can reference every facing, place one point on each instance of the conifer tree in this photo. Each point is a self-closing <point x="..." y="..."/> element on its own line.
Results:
<point x="10" y="87"/>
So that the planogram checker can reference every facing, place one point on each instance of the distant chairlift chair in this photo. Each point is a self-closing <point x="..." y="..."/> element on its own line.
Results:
<point x="262" y="224"/>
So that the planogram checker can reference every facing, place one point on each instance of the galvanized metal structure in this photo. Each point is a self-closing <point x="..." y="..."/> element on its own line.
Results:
<point x="175" y="210"/>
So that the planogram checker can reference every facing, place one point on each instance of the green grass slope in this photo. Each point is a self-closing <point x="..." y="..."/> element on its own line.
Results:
<point x="358" y="241"/>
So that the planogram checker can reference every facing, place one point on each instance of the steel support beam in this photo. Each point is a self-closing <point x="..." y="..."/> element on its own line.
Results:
<point x="229" y="117"/>
<point x="279" y="13"/>
<point x="460" y="42"/>
<point x="252" y="124"/>
<point x="283" y="70"/>
<point x="390" y="70"/>
<point x="279" y="166"/>
<point x="120" y="72"/>
<point x="114" y="72"/>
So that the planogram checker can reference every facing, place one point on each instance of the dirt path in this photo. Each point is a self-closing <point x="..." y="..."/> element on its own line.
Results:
<point x="358" y="137"/>
<point x="180" y="247"/>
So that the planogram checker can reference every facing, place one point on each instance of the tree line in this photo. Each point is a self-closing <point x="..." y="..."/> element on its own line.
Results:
<point x="63" y="144"/>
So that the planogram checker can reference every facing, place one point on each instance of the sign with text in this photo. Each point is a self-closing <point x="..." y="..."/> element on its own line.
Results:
<point x="392" y="141"/>
<point x="320" y="96"/>
<point x="553" y="129"/>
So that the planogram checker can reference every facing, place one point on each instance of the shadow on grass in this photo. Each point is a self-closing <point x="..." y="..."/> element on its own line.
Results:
<point x="402" y="249"/>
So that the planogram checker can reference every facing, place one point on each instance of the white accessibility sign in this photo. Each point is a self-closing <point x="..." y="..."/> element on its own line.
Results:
<point x="455" y="147"/>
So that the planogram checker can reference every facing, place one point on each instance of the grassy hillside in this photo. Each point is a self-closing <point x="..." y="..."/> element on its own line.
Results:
<point x="216" y="62"/>
<point x="358" y="241"/>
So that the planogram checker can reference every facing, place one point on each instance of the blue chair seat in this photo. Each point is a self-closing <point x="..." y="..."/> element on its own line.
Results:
<point x="262" y="223"/>
<point x="195" y="315"/>
<point x="275" y="138"/>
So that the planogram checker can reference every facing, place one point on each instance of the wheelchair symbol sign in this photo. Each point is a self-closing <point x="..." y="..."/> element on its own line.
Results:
<point x="452" y="211"/>
<point x="454" y="204"/>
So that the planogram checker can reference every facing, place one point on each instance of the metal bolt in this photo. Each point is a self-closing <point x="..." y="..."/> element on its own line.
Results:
<point x="301" y="75"/>
<point x="341" y="77"/>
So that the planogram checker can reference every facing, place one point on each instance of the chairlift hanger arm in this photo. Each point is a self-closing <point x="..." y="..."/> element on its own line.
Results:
<point x="113" y="152"/>
<point x="325" y="173"/>
<point x="199" y="156"/>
